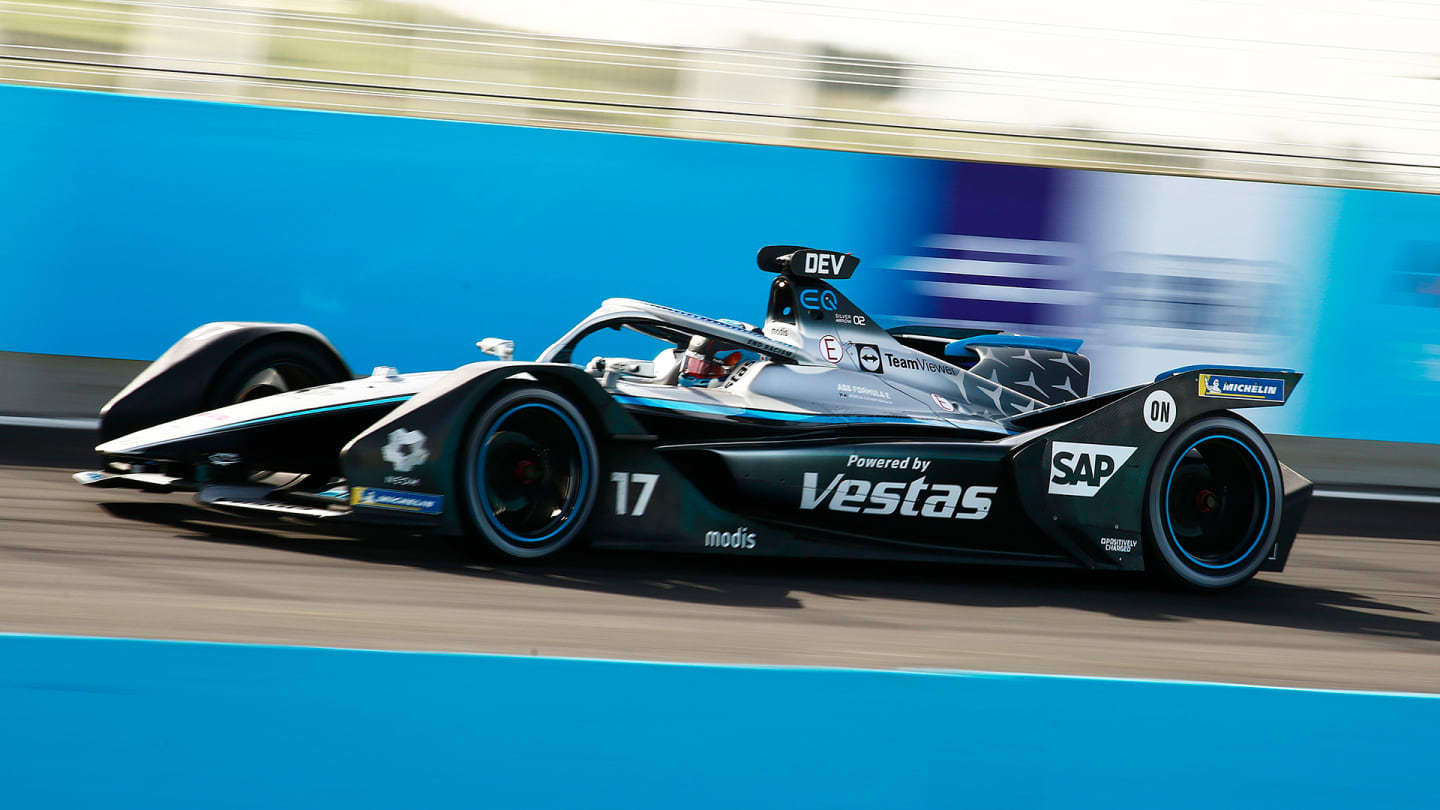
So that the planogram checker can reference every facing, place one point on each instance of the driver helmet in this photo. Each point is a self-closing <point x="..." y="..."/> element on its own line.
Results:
<point x="709" y="359"/>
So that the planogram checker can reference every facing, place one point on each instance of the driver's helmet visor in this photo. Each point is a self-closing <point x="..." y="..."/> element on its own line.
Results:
<point x="708" y="365"/>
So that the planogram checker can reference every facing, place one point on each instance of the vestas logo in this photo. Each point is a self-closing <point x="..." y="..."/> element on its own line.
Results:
<point x="1082" y="469"/>
<point x="909" y="498"/>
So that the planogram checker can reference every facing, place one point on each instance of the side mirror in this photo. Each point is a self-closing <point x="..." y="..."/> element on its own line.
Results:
<point x="497" y="347"/>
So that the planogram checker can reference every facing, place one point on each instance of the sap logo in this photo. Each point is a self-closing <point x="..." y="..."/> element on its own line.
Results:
<point x="1082" y="469"/>
<point x="741" y="538"/>
<point x="869" y="357"/>
<point x="889" y="497"/>
<point x="819" y="299"/>
<point x="823" y="264"/>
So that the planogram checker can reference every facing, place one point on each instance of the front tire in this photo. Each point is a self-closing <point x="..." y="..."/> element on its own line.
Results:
<point x="272" y="367"/>
<point x="1212" y="506"/>
<point x="528" y="474"/>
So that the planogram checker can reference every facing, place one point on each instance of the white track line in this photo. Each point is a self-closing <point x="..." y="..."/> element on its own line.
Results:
<point x="1398" y="497"/>
<point x="50" y="422"/>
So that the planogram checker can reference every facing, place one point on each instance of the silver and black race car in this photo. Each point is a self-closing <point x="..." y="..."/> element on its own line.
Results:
<point x="818" y="434"/>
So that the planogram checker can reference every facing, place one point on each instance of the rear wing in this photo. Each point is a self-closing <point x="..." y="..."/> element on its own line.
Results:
<point x="1201" y="388"/>
<point x="803" y="262"/>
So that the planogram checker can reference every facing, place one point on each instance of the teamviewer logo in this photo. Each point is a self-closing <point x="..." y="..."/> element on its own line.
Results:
<point x="869" y="356"/>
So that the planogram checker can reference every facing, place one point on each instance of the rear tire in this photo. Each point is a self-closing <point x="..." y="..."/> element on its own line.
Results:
<point x="528" y="474"/>
<point x="1212" y="507"/>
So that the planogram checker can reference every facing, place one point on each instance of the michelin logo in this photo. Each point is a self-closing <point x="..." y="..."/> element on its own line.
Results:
<point x="1081" y="469"/>
<point x="1258" y="388"/>
<point x="390" y="499"/>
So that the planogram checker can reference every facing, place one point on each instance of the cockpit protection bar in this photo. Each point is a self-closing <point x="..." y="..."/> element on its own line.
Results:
<point x="803" y="262"/>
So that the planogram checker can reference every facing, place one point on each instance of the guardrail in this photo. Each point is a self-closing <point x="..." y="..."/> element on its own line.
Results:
<point x="785" y="87"/>
<point x="152" y="724"/>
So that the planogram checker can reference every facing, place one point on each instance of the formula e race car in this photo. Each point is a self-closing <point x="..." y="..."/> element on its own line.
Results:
<point x="818" y="434"/>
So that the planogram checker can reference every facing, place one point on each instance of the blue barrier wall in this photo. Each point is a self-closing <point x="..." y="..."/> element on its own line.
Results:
<point x="153" y="724"/>
<point x="126" y="221"/>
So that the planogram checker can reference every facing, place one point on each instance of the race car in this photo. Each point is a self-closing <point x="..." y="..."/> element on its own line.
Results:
<point x="815" y="434"/>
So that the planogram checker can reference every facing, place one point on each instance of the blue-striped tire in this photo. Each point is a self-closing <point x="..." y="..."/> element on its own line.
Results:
<point x="1212" y="504"/>
<point x="528" y="473"/>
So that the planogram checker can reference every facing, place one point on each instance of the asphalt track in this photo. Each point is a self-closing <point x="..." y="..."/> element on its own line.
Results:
<point x="1353" y="612"/>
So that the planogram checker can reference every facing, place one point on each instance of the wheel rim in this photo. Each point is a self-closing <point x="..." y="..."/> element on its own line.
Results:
<point x="1217" y="502"/>
<point x="533" y="471"/>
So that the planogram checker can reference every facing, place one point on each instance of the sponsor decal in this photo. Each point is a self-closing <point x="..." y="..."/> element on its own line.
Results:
<point x="914" y="498"/>
<point x="848" y="318"/>
<point x="1256" y="388"/>
<point x="945" y="404"/>
<point x="823" y="264"/>
<point x="886" y="463"/>
<point x="847" y="391"/>
<point x="1121" y="544"/>
<point x="402" y="481"/>
<point x="869" y="356"/>
<point x="389" y="499"/>
<point x="1159" y="411"/>
<point x="1081" y="469"/>
<point x="831" y="350"/>
<point x="819" y="299"/>
<point x="741" y="538"/>
<point x="919" y="364"/>
<point x="776" y="330"/>
<point x="224" y="459"/>
<point x="624" y="482"/>
<point x="405" y="450"/>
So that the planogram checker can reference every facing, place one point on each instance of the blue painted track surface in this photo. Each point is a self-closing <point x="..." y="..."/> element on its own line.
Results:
<point x="151" y="724"/>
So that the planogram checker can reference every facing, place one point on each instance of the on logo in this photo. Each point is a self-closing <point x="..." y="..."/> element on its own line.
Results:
<point x="1159" y="411"/>
<point x="831" y="350"/>
<point x="869" y="355"/>
<point x="1081" y="469"/>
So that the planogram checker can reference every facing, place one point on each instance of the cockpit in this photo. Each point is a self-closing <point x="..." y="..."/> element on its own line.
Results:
<point x="684" y="350"/>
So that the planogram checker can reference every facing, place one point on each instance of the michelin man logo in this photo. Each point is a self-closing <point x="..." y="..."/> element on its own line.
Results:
<point x="406" y="450"/>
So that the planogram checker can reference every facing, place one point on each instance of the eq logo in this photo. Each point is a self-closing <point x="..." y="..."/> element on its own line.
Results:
<point x="1082" y="469"/>
<point x="831" y="350"/>
<point x="823" y="264"/>
<point x="819" y="299"/>
<point x="1159" y="411"/>
<point x="869" y="355"/>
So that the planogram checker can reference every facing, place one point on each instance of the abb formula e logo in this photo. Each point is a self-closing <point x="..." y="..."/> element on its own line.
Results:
<point x="1077" y="468"/>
